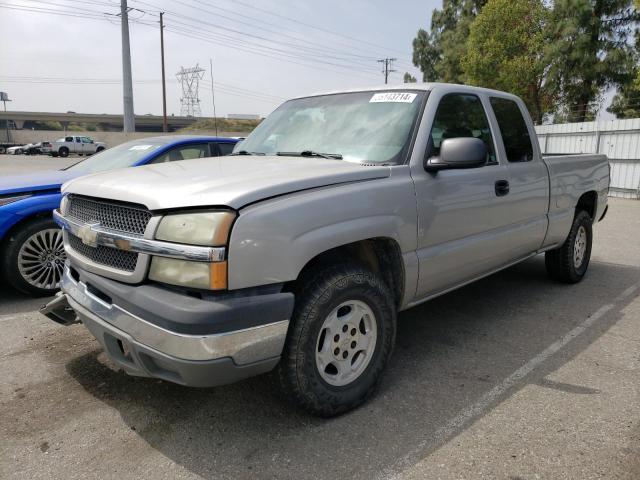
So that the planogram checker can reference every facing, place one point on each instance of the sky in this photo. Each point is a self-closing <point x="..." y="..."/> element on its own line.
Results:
<point x="65" y="55"/>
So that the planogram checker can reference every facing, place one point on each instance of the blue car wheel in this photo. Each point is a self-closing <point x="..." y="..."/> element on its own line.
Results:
<point x="34" y="257"/>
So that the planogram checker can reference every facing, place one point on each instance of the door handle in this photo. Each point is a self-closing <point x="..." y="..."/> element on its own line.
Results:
<point x="502" y="188"/>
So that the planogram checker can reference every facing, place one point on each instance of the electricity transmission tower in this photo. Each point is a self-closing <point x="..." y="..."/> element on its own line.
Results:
<point x="190" y="78"/>
<point x="386" y="69"/>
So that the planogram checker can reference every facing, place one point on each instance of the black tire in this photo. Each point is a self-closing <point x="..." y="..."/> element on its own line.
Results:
<point x="63" y="152"/>
<point x="54" y="154"/>
<point x="3" y="150"/>
<point x="19" y="151"/>
<point x="99" y="149"/>
<point x="9" y="261"/>
<point x="561" y="262"/>
<point x="323" y="290"/>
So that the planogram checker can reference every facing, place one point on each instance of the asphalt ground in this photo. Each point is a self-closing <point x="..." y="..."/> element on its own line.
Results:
<point x="512" y="377"/>
<point x="16" y="164"/>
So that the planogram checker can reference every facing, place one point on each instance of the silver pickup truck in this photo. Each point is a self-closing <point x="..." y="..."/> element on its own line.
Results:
<point x="80" y="145"/>
<point x="298" y="251"/>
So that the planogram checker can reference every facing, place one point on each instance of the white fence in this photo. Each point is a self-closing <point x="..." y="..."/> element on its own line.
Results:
<point x="618" y="139"/>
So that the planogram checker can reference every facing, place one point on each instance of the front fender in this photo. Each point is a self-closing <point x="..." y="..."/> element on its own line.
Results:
<point x="14" y="213"/>
<point x="273" y="240"/>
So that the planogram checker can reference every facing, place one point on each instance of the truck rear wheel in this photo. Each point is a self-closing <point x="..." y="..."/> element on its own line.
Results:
<point x="341" y="335"/>
<point x="63" y="152"/>
<point x="569" y="263"/>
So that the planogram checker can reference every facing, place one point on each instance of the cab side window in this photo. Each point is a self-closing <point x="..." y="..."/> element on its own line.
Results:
<point x="68" y="139"/>
<point x="461" y="115"/>
<point x="225" y="148"/>
<point x="515" y="135"/>
<point x="185" y="152"/>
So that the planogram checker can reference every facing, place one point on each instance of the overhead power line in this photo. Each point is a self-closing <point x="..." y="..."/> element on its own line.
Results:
<point x="315" y="27"/>
<point x="223" y="34"/>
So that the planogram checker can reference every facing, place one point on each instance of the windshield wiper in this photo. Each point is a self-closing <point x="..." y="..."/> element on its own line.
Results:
<point x="310" y="153"/>
<point x="244" y="152"/>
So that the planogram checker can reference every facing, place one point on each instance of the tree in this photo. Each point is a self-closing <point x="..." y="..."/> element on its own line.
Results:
<point x="438" y="53"/>
<point x="588" y="51"/>
<point x="504" y="50"/>
<point x="626" y="102"/>
<point x="408" y="78"/>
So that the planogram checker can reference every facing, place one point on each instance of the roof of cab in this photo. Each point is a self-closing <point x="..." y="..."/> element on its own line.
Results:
<point x="411" y="86"/>
<point x="179" y="138"/>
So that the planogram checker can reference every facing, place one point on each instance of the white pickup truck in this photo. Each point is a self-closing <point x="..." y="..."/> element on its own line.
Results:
<point x="298" y="250"/>
<point x="77" y="144"/>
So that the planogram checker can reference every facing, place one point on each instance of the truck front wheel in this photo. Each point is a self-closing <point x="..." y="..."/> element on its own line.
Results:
<point x="569" y="263"/>
<point x="63" y="152"/>
<point x="341" y="335"/>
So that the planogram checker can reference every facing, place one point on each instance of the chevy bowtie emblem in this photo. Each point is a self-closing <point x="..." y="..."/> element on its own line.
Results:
<point x="88" y="235"/>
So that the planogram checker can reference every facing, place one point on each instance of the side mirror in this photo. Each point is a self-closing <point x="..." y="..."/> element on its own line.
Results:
<point x="463" y="152"/>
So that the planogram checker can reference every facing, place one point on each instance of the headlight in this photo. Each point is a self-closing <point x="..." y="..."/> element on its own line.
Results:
<point x="193" y="228"/>
<point x="208" y="276"/>
<point x="197" y="228"/>
<point x="12" y="198"/>
<point x="64" y="204"/>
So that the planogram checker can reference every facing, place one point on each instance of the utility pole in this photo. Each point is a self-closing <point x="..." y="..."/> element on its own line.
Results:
<point x="386" y="69"/>
<point x="5" y="98"/>
<point x="165" y="127"/>
<point x="127" y="87"/>
<point x="213" y="97"/>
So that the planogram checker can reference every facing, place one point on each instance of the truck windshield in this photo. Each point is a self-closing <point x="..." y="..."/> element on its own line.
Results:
<point x="365" y="127"/>
<point x="124" y="155"/>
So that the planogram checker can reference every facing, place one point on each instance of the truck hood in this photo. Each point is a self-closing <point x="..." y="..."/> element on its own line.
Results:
<point x="220" y="181"/>
<point x="34" y="182"/>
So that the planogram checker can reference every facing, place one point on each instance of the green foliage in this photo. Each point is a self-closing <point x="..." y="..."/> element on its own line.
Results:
<point x="408" y="78"/>
<point x="589" y="50"/>
<point x="224" y="125"/>
<point x="504" y="50"/>
<point x="626" y="103"/>
<point x="559" y="56"/>
<point x="50" y="125"/>
<point x="438" y="53"/>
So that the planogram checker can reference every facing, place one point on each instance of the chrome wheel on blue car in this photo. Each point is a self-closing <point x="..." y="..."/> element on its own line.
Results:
<point x="33" y="257"/>
<point x="41" y="259"/>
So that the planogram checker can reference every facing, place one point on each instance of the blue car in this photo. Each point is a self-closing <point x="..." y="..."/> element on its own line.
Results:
<point x="31" y="251"/>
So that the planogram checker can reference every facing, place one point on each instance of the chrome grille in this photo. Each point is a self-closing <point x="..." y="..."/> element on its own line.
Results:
<point x="111" y="257"/>
<point x="111" y="215"/>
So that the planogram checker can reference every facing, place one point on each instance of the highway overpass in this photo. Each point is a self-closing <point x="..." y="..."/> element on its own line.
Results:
<point x="105" y="121"/>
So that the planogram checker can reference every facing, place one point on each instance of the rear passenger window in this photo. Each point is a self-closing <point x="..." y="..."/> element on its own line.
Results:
<point x="225" y="148"/>
<point x="187" y="152"/>
<point x="461" y="115"/>
<point x="515" y="135"/>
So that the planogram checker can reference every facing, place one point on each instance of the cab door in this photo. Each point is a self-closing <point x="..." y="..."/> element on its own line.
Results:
<point x="458" y="210"/>
<point x="526" y="220"/>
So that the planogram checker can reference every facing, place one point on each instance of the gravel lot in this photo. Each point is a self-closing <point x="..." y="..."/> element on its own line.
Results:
<point x="512" y="377"/>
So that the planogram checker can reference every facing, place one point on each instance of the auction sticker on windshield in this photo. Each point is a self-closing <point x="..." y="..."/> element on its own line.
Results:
<point x="141" y="147"/>
<point x="402" y="97"/>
